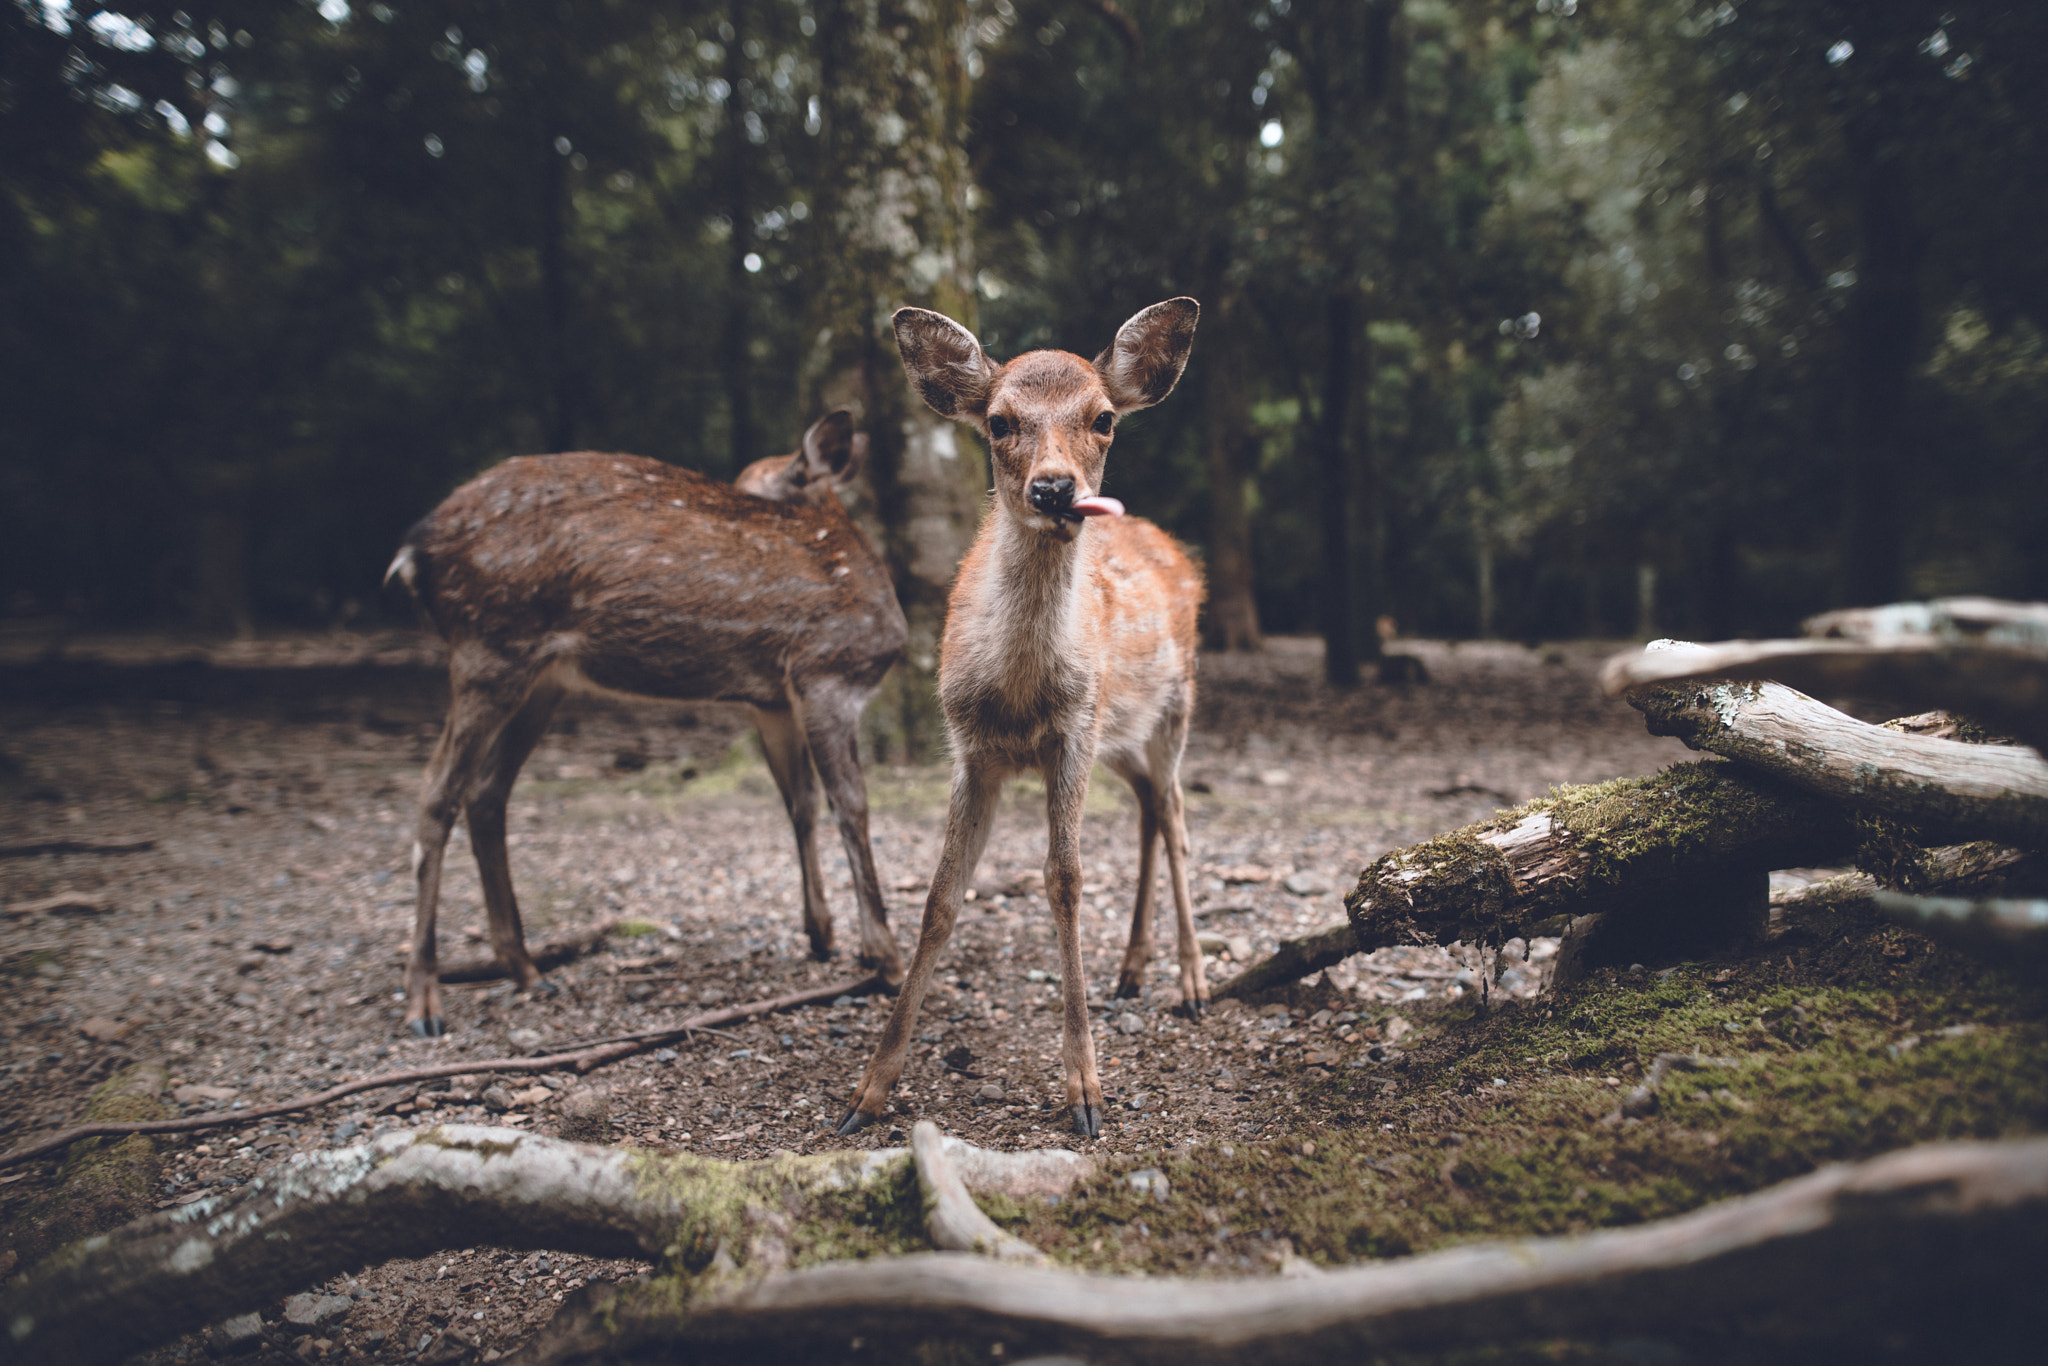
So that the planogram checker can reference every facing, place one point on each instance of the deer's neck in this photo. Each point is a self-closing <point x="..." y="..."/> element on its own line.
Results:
<point x="1029" y="638"/>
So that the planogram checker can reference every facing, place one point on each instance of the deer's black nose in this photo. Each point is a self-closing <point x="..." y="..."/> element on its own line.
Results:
<point x="1053" y="497"/>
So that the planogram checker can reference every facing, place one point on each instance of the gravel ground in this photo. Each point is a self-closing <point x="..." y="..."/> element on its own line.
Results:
<point x="256" y="944"/>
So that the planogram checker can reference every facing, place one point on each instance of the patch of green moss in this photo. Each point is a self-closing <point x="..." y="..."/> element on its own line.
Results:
<point x="635" y="929"/>
<point x="1505" y="1123"/>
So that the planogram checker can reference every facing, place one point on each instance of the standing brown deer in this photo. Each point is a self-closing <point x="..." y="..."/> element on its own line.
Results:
<point x="1067" y="639"/>
<point x="625" y="574"/>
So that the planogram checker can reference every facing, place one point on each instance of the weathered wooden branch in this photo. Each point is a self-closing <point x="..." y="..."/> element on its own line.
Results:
<point x="1944" y="788"/>
<point x="1975" y="655"/>
<point x="581" y="1059"/>
<point x="2006" y="927"/>
<point x="956" y="1223"/>
<point x="1843" y="1255"/>
<point x="555" y="953"/>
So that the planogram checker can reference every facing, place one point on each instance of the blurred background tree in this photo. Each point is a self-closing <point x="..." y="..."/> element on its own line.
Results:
<point x="1531" y="319"/>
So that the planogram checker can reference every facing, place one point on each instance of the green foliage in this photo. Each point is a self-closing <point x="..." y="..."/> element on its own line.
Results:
<point x="1532" y="320"/>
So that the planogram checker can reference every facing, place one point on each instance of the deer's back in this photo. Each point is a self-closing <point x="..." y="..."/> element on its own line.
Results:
<point x="651" y="579"/>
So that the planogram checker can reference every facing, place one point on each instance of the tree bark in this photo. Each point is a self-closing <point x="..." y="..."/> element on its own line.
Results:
<point x="1233" y="616"/>
<point x="1945" y="789"/>
<point x="739" y="284"/>
<point x="893" y="229"/>
<point x="1884" y="331"/>
<point x="1333" y="494"/>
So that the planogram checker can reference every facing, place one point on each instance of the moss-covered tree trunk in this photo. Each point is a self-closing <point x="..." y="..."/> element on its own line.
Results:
<point x="893" y="230"/>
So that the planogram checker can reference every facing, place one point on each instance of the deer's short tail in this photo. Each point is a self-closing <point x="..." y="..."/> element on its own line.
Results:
<point x="405" y="567"/>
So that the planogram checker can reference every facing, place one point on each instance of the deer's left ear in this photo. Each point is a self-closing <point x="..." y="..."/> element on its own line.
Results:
<point x="1144" y="362"/>
<point x="832" y="449"/>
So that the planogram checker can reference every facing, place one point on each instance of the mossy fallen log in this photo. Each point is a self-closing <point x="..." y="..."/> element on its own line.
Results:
<point x="104" y="1182"/>
<point x="1684" y="849"/>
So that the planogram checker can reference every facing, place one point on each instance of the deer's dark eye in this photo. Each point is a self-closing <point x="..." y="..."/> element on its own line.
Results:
<point x="998" y="427"/>
<point x="1103" y="423"/>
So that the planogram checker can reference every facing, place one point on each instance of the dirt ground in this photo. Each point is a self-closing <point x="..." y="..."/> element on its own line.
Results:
<point x="256" y="944"/>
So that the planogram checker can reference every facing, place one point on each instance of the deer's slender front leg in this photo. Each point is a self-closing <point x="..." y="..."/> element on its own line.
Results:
<point x="789" y="759"/>
<point x="1066" y="791"/>
<point x="976" y="784"/>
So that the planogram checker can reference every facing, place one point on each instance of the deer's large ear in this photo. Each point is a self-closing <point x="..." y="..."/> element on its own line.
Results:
<point x="945" y="363"/>
<point x="1144" y="362"/>
<point x="832" y="449"/>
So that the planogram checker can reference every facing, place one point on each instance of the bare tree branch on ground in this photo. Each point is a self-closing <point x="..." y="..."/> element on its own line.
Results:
<point x="1847" y="1249"/>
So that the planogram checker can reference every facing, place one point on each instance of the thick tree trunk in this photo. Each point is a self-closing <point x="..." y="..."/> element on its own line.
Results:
<point x="1233" y="616"/>
<point x="1884" y="330"/>
<point x="739" y="282"/>
<point x="892" y="229"/>
<point x="1333" y="494"/>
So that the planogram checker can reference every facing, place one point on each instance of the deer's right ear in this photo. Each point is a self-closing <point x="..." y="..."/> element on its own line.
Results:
<point x="1151" y="349"/>
<point x="832" y="449"/>
<point x="945" y="363"/>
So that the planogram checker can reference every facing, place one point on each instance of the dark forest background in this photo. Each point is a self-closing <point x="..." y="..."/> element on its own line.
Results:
<point x="1527" y="319"/>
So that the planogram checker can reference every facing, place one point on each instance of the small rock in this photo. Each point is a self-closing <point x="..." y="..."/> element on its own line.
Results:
<point x="1272" y="1010"/>
<point x="196" y="1095"/>
<point x="1150" y="1181"/>
<point x="991" y="1091"/>
<point x="303" y="1313"/>
<point x="1245" y="873"/>
<point x="666" y="1055"/>
<point x="1397" y="1028"/>
<point x="496" y="1099"/>
<point x="1129" y="1023"/>
<point x="845" y="1001"/>
<point x="104" y="1030"/>
<point x="346" y="1130"/>
<point x="525" y="1040"/>
<point x="639" y="991"/>
<point x="1211" y="943"/>
<point x="1639" y="1102"/>
<point x="1136" y="1101"/>
<point x="532" y="1095"/>
<point x="1275" y="777"/>
<point x="1322" y="1017"/>
<point x="237" y="1334"/>
<point x="1307" y="882"/>
<point x="1240" y="947"/>
<point x="1037" y="975"/>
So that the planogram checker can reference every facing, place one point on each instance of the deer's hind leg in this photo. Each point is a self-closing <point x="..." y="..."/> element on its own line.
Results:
<point x="1163" y="752"/>
<point x="831" y="717"/>
<point x="485" y="814"/>
<point x="1138" y="952"/>
<point x="789" y="759"/>
<point x="486" y="691"/>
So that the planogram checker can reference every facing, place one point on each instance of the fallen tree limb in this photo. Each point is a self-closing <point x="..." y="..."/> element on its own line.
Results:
<point x="1843" y="1255"/>
<point x="405" y="1195"/>
<point x="955" y="1221"/>
<point x="1949" y="789"/>
<point x="75" y="847"/>
<point x="547" y="956"/>
<point x="583" y="1059"/>
<point x="61" y="903"/>
<point x="1996" y="926"/>
<point x="1678" y="846"/>
<point x="1975" y="655"/>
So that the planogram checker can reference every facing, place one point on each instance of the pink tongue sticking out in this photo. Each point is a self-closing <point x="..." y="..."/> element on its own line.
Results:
<point x="1098" y="506"/>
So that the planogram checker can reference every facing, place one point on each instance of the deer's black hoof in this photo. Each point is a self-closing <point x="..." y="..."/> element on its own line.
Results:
<point x="1127" y="988"/>
<point x="1088" y="1120"/>
<point x="1193" y="1009"/>
<point x="855" y="1121"/>
<point x="544" y="989"/>
<point x="427" y="1027"/>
